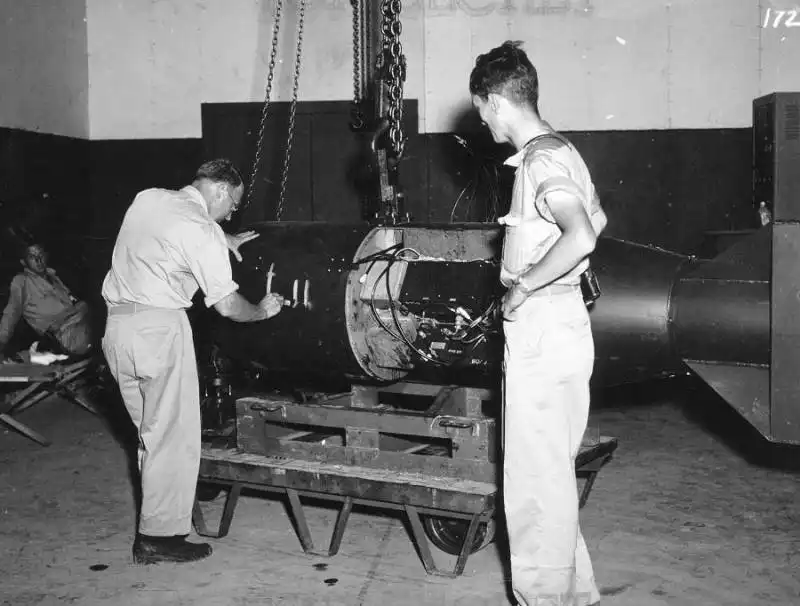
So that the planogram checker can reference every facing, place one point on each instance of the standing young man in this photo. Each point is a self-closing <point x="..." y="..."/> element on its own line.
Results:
<point x="551" y="228"/>
<point x="169" y="246"/>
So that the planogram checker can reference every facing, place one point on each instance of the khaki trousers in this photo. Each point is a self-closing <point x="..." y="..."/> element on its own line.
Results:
<point x="549" y="356"/>
<point x="151" y="355"/>
<point x="72" y="330"/>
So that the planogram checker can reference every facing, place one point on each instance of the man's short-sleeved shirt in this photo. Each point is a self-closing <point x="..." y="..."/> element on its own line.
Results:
<point x="41" y="299"/>
<point x="167" y="248"/>
<point x="544" y="167"/>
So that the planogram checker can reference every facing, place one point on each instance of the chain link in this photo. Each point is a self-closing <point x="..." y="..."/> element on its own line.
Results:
<point x="301" y="10"/>
<point x="268" y="93"/>
<point x="393" y="62"/>
<point x="357" y="115"/>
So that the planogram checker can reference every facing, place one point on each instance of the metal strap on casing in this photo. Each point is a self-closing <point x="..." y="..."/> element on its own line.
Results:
<point x="447" y="421"/>
<point x="266" y="408"/>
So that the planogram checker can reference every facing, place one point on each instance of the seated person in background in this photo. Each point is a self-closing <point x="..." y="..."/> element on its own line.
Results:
<point x="39" y="297"/>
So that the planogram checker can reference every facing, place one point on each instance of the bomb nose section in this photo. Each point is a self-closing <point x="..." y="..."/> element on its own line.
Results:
<point x="631" y="319"/>
<point x="732" y="320"/>
<point x="722" y="330"/>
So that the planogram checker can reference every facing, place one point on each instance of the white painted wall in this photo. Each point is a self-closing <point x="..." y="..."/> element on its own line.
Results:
<point x="44" y="76"/>
<point x="604" y="64"/>
<point x="614" y="64"/>
<point x="153" y="62"/>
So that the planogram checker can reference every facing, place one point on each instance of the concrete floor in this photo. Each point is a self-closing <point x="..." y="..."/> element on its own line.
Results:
<point x="682" y="516"/>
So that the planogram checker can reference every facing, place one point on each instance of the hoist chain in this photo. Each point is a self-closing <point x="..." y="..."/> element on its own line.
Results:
<point x="301" y="10"/>
<point x="394" y="66"/>
<point x="264" y="110"/>
<point x="357" y="114"/>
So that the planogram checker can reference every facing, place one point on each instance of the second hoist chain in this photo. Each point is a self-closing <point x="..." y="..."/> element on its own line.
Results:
<point x="268" y="93"/>
<point x="395" y="72"/>
<point x="301" y="10"/>
<point x="357" y="115"/>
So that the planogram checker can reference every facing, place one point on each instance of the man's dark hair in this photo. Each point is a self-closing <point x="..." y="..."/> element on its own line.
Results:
<point x="507" y="71"/>
<point x="22" y="245"/>
<point x="220" y="170"/>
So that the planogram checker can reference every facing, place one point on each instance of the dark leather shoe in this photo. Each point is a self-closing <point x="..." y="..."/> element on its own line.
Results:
<point x="152" y="550"/>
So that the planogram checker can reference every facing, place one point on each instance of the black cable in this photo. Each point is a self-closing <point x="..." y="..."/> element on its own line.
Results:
<point x="385" y="274"/>
<point x="380" y="255"/>
<point x="372" y="302"/>
<point x="393" y="311"/>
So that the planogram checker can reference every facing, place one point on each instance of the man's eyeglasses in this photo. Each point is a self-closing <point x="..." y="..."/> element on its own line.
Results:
<point x="236" y="204"/>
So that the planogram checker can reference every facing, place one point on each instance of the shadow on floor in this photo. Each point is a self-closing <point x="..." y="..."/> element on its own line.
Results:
<point x="702" y="406"/>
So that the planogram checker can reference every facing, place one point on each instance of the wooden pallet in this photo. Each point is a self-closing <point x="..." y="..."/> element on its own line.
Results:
<point x="451" y="437"/>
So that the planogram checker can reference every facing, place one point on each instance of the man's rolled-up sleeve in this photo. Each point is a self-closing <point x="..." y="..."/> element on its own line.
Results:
<point x="552" y="176"/>
<point x="209" y="262"/>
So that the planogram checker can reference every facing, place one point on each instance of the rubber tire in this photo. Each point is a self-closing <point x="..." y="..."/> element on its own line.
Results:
<point x="448" y="534"/>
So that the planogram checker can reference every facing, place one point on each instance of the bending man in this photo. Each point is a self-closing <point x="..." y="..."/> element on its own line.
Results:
<point x="169" y="246"/>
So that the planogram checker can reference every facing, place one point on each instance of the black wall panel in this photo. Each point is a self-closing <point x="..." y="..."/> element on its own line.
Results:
<point x="667" y="188"/>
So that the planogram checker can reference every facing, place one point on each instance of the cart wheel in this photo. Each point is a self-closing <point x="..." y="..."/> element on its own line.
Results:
<point x="208" y="492"/>
<point x="448" y="533"/>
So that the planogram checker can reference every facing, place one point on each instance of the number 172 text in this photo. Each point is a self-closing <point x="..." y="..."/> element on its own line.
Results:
<point x="775" y="18"/>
